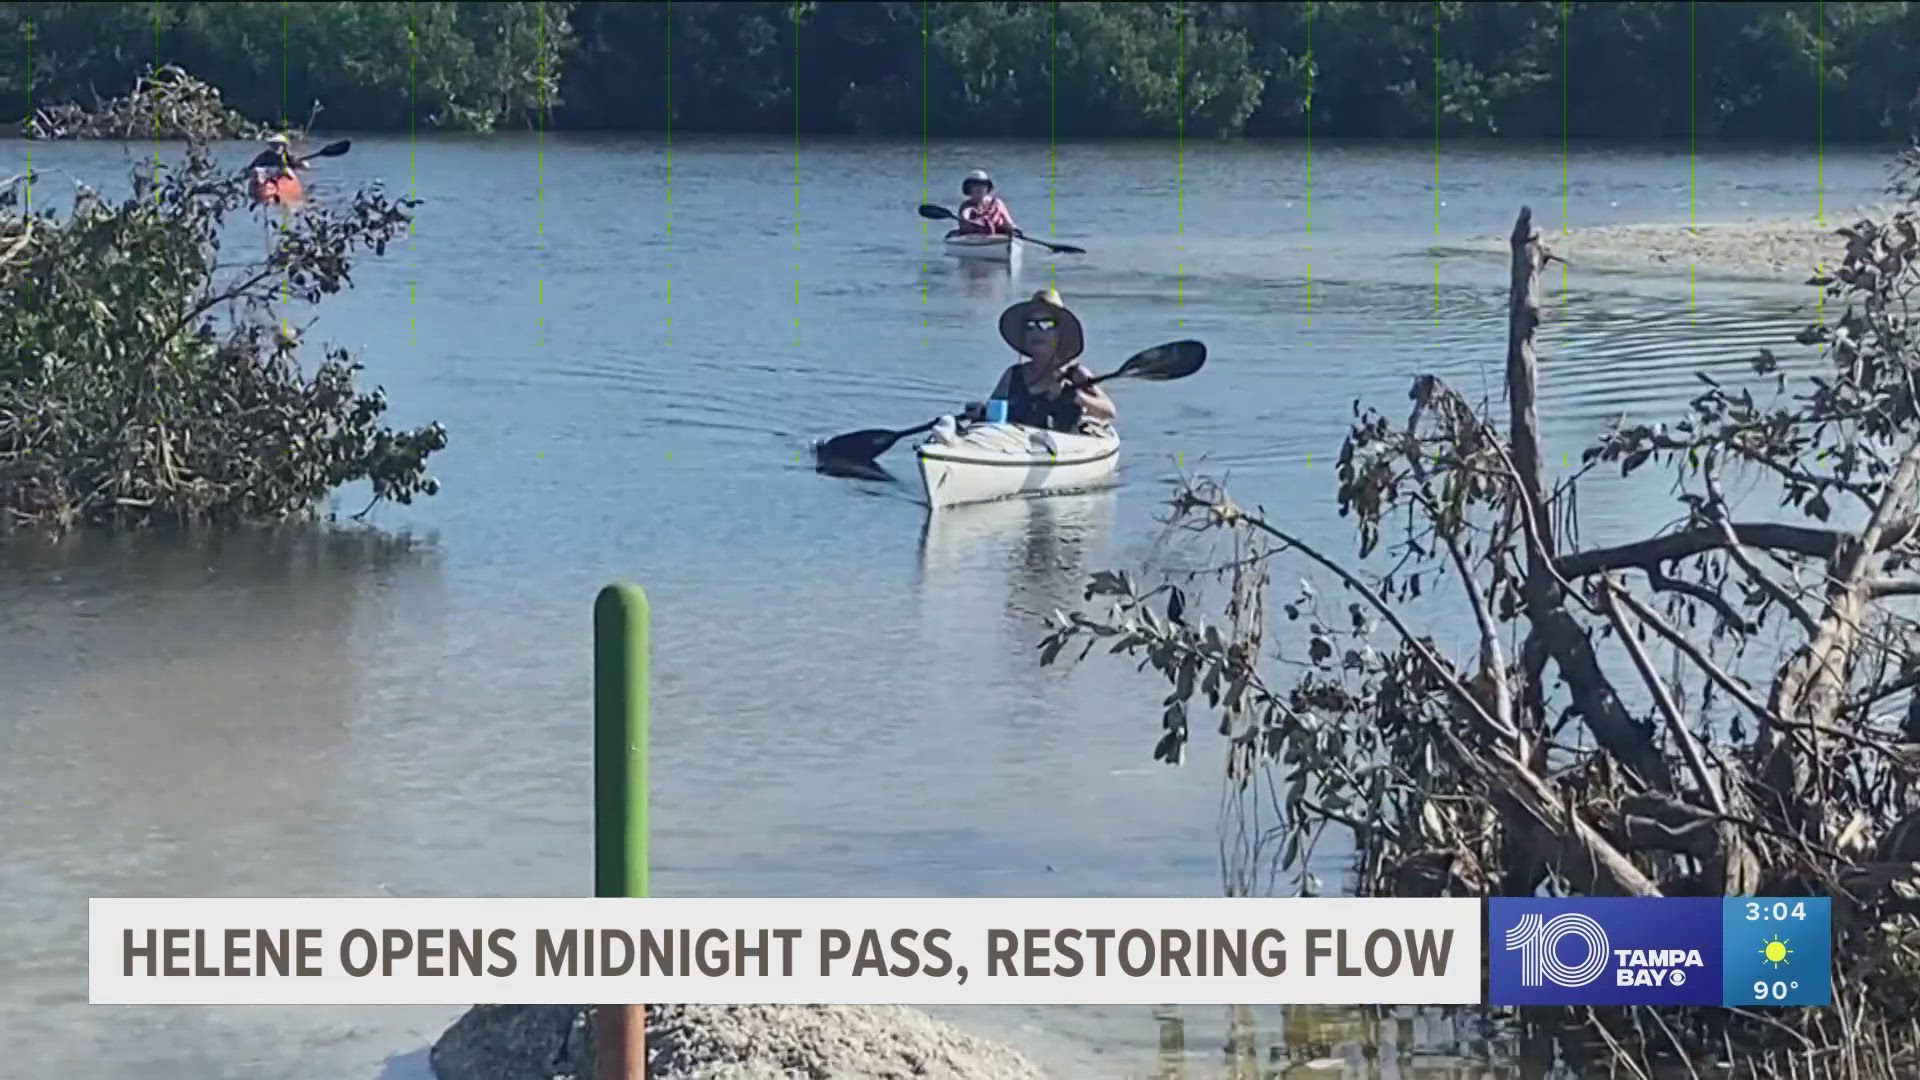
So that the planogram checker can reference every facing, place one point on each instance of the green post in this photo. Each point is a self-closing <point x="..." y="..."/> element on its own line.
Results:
<point x="621" y="654"/>
<point x="620" y="670"/>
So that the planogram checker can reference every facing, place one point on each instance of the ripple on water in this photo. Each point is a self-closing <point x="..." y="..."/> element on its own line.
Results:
<point x="840" y="710"/>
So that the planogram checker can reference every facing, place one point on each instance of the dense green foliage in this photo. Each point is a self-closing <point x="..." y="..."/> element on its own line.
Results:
<point x="1378" y="68"/>
<point x="143" y="378"/>
<point x="372" y="66"/>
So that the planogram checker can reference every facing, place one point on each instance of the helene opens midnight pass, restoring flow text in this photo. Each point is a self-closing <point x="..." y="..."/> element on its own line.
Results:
<point x="684" y="953"/>
<point x="789" y="950"/>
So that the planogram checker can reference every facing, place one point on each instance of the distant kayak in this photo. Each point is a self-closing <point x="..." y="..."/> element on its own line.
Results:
<point x="284" y="189"/>
<point x="993" y="461"/>
<point x="1003" y="249"/>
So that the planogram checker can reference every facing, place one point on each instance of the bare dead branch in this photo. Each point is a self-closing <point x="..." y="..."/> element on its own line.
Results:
<point x="1716" y="507"/>
<point x="1797" y="539"/>
<point x="1676" y="725"/>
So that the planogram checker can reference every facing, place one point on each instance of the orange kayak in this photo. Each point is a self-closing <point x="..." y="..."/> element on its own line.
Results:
<point x="283" y="189"/>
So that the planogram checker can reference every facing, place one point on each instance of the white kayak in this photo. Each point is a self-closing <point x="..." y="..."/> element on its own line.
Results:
<point x="987" y="462"/>
<point x="980" y="246"/>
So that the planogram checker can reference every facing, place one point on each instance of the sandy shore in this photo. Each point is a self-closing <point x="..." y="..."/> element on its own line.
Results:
<point x="1787" y="250"/>
<point x="728" y="1042"/>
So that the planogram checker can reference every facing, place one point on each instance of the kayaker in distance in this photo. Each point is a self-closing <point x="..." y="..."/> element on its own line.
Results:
<point x="982" y="212"/>
<point x="277" y="159"/>
<point x="1049" y="389"/>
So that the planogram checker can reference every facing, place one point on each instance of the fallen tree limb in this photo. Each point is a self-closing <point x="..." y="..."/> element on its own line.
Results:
<point x="1798" y="539"/>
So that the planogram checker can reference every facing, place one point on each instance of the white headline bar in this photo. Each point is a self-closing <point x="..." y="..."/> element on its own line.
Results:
<point x="456" y="951"/>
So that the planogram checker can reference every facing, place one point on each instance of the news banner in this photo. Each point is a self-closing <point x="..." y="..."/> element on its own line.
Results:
<point x="1717" y="951"/>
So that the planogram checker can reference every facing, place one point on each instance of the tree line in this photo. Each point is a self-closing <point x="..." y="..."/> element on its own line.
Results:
<point x="1340" y="68"/>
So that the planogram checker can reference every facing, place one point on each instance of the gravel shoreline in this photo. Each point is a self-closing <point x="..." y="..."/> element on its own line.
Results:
<point x="1783" y="249"/>
<point x="728" y="1042"/>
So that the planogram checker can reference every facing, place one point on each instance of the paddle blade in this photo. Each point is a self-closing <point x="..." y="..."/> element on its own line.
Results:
<point x="852" y="470"/>
<point x="1174" y="360"/>
<point x="333" y="149"/>
<point x="934" y="213"/>
<point x="856" y="446"/>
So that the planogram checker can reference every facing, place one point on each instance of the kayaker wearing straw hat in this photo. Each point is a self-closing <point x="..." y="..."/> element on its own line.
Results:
<point x="277" y="159"/>
<point x="1050" y="388"/>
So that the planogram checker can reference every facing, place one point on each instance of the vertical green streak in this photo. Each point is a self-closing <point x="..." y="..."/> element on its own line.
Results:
<point x="1566" y="211"/>
<point x="621" y="659"/>
<point x="156" y="108"/>
<point x="1436" y="158"/>
<point x="540" y="165"/>
<point x="669" y="65"/>
<point x="286" y="283"/>
<point x="413" y="179"/>
<point x="29" y="195"/>
<point x="796" y="172"/>
<point x="1053" y="127"/>
<point x="1693" y="79"/>
<point x="1310" y="84"/>
<point x="413" y="108"/>
<point x="1820" y="127"/>
<point x="926" y="189"/>
<point x="1180" y="169"/>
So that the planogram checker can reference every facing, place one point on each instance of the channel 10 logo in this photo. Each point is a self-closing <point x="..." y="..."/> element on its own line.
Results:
<point x="1610" y="951"/>
<point x="1537" y="939"/>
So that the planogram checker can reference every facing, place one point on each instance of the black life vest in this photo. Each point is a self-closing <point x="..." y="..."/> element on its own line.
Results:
<point x="1024" y="406"/>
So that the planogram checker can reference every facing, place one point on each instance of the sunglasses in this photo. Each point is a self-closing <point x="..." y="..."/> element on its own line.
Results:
<point x="1042" y="324"/>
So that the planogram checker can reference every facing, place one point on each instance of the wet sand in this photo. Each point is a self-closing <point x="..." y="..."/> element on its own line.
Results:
<point x="1786" y="250"/>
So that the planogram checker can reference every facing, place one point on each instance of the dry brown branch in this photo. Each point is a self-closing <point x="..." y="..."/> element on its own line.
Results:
<point x="1676" y="724"/>
<point x="1758" y="764"/>
<point x="1800" y="540"/>
<point x="1717" y="510"/>
<point x="165" y="103"/>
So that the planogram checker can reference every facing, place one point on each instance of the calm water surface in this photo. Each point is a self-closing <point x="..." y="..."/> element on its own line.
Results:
<point x="632" y="356"/>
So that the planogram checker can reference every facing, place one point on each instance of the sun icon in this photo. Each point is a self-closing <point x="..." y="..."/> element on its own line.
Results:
<point x="1775" y="951"/>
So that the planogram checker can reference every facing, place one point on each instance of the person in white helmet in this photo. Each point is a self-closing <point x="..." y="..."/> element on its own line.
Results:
<point x="277" y="158"/>
<point x="983" y="211"/>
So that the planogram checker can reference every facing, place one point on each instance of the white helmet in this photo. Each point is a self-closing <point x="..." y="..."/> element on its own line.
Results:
<point x="977" y="176"/>
<point x="277" y="139"/>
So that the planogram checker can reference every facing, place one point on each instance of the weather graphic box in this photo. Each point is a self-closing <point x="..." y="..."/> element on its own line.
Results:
<point x="1732" y="950"/>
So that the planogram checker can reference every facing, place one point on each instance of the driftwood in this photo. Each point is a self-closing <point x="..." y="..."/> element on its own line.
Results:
<point x="1703" y="765"/>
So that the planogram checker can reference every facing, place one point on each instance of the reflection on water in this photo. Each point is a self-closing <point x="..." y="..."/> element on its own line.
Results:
<point x="976" y="278"/>
<point x="1000" y="568"/>
<point x="1308" y="1042"/>
<point x="840" y="712"/>
<point x="192" y="712"/>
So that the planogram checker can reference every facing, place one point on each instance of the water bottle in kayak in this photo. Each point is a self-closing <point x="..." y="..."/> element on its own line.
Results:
<point x="997" y="411"/>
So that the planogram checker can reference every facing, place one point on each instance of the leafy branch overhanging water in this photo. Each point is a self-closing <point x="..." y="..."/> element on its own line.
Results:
<point x="144" y="382"/>
<point x="1598" y="736"/>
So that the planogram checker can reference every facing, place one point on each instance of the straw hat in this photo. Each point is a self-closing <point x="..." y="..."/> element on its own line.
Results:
<point x="277" y="139"/>
<point x="1046" y="302"/>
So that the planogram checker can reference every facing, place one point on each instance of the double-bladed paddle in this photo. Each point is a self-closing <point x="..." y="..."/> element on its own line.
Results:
<point x="332" y="149"/>
<point x="1162" y="363"/>
<point x="935" y="212"/>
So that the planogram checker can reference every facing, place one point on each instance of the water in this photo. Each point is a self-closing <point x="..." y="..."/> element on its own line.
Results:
<point x="847" y="701"/>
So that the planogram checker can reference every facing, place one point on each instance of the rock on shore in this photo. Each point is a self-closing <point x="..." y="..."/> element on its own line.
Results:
<point x="727" y="1042"/>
